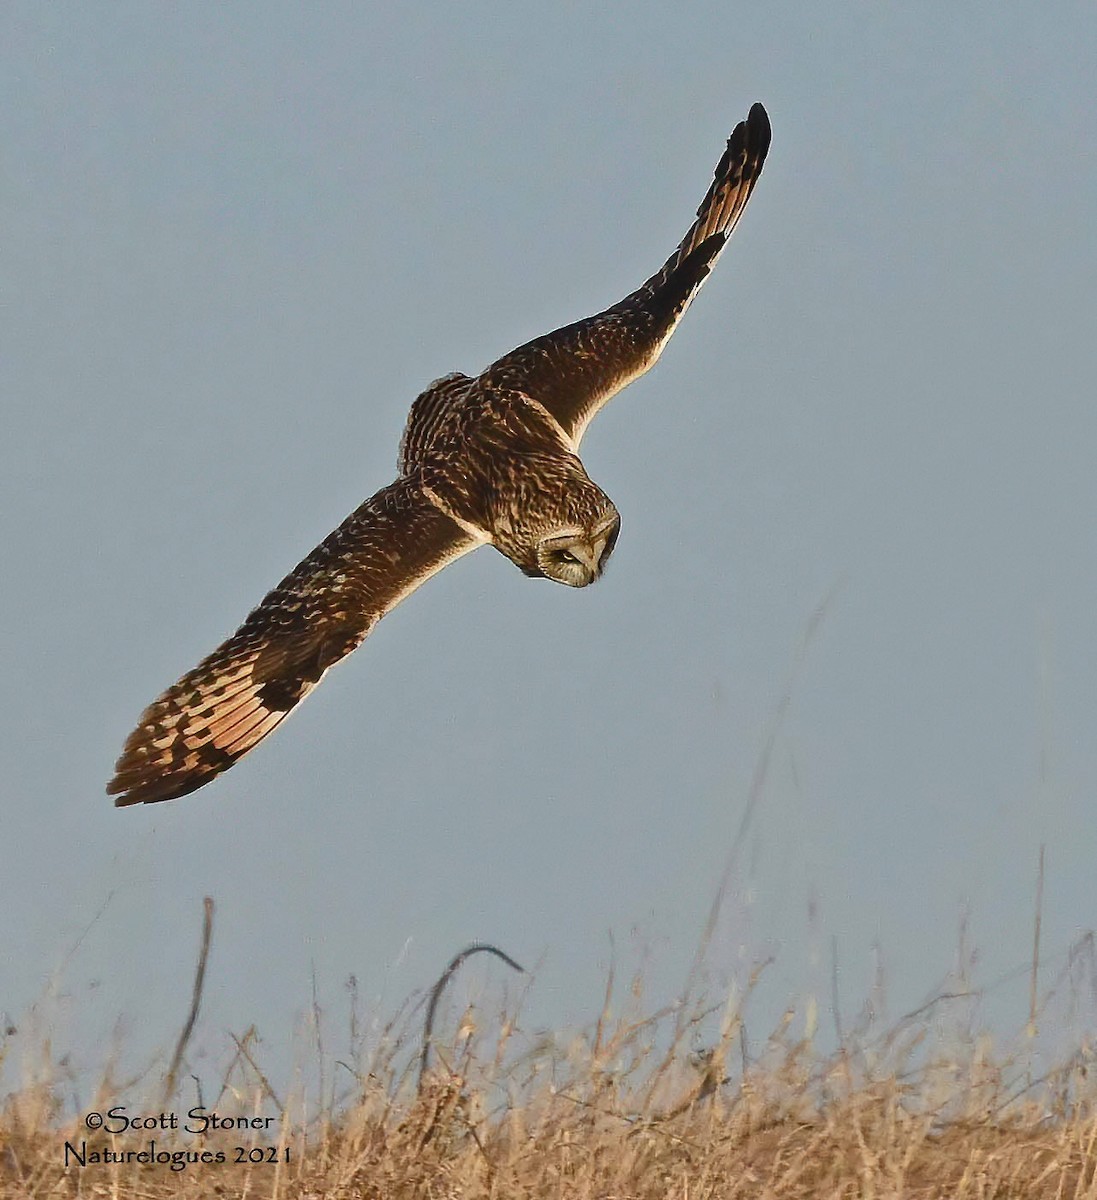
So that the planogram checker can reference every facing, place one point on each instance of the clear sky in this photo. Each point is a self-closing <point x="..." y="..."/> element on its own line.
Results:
<point x="239" y="239"/>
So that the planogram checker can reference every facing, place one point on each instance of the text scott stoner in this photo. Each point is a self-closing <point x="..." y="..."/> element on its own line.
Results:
<point x="197" y="1120"/>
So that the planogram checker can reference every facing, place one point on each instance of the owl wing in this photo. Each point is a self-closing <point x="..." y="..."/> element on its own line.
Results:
<point x="317" y="615"/>
<point x="573" y="371"/>
<point x="427" y="413"/>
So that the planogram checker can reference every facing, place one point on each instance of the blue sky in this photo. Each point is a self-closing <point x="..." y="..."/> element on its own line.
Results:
<point x="240" y="239"/>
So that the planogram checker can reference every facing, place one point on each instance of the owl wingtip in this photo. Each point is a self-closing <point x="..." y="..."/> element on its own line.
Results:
<point x="758" y="129"/>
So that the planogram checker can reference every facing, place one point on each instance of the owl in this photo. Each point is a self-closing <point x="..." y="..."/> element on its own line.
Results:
<point x="485" y="460"/>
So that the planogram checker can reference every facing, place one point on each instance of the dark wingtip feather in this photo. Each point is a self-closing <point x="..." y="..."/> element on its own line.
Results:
<point x="137" y="783"/>
<point x="760" y="134"/>
<point x="134" y="789"/>
<point x="750" y="139"/>
<point x="758" y="120"/>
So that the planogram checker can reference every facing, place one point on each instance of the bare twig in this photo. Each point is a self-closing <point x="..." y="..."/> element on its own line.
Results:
<point x="1036" y="945"/>
<point x="319" y="1035"/>
<point x="195" y="1000"/>
<point x="835" y="1001"/>
<point x="242" y="1048"/>
<point x="436" y="995"/>
<point x="603" y="1016"/>
<point x="757" y="783"/>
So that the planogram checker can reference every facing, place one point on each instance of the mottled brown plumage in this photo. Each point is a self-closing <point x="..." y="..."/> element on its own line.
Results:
<point x="491" y="459"/>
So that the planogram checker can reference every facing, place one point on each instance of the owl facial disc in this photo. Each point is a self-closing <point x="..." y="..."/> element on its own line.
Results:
<point x="575" y="556"/>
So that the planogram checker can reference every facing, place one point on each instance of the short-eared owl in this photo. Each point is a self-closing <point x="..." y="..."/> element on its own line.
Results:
<point x="485" y="460"/>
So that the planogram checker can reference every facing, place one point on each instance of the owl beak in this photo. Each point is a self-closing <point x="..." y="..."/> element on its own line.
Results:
<point x="591" y="555"/>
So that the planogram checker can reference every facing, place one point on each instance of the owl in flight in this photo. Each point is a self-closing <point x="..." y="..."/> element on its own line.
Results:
<point x="490" y="460"/>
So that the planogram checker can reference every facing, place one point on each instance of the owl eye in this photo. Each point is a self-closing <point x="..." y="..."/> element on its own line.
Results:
<point x="567" y="557"/>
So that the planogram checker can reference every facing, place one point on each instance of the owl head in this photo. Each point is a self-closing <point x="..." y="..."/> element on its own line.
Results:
<point x="552" y="520"/>
<point x="577" y="554"/>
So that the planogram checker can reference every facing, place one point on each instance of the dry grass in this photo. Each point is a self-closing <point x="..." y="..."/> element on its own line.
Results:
<point x="621" y="1111"/>
<point x="670" y="1105"/>
<point x="676" y="1103"/>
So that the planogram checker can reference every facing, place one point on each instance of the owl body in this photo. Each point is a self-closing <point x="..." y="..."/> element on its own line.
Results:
<point x="485" y="459"/>
<point x="516" y="479"/>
